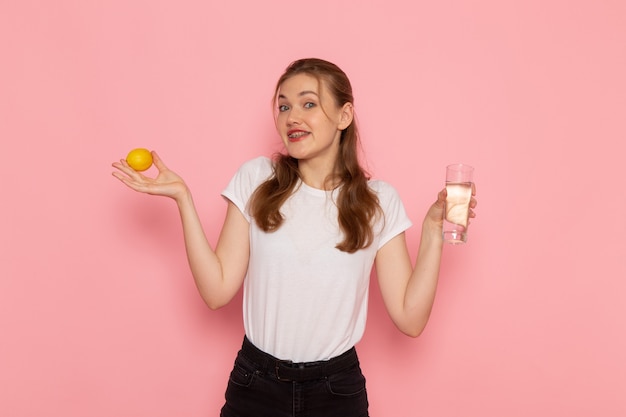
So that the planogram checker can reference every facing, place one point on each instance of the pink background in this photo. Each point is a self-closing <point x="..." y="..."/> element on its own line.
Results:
<point x="99" y="315"/>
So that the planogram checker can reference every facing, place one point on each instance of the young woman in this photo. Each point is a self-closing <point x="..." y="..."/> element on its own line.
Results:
<point x="301" y="234"/>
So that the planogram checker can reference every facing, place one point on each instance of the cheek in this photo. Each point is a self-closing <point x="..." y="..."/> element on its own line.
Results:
<point x="279" y="121"/>
<point x="319" y="120"/>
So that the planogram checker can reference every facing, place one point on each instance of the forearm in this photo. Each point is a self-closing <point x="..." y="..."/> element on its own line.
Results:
<point x="422" y="285"/>
<point x="203" y="261"/>
<point x="218" y="273"/>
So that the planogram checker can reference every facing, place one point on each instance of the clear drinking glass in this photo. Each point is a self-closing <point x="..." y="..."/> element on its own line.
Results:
<point x="459" y="179"/>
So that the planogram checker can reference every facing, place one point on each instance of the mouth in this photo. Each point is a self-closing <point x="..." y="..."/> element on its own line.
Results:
<point x="296" y="135"/>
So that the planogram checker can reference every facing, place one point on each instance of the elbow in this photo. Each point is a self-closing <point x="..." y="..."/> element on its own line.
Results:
<point x="412" y="329"/>
<point x="413" y="332"/>
<point x="214" y="303"/>
<point x="214" y="306"/>
<point x="215" y="299"/>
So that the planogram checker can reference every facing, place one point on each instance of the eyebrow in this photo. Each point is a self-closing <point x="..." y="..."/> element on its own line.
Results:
<point x="300" y="94"/>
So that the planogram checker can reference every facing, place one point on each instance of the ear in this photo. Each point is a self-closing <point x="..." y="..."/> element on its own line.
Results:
<point x="347" y="116"/>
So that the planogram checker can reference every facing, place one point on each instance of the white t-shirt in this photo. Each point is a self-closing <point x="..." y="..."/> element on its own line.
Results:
<point x="305" y="300"/>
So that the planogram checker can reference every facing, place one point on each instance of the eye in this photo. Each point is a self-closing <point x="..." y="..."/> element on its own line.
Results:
<point x="283" y="108"/>
<point x="309" y="105"/>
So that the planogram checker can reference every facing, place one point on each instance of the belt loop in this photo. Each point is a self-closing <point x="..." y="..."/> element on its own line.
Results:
<point x="277" y="369"/>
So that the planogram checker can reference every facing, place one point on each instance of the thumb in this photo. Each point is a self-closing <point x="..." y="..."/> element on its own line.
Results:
<point x="158" y="162"/>
<point x="441" y="198"/>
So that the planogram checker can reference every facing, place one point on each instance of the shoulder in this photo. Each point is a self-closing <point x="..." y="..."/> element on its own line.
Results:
<point x="250" y="174"/>
<point x="395" y="218"/>
<point x="258" y="165"/>
<point x="248" y="177"/>
<point x="255" y="170"/>
<point x="388" y="196"/>
<point x="383" y="189"/>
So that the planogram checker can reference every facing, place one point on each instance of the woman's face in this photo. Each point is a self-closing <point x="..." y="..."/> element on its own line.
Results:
<point x="309" y="120"/>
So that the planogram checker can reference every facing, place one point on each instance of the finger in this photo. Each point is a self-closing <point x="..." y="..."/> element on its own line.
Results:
<point x="122" y="166"/>
<point x="130" y="183"/>
<point x="134" y="179"/>
<point x="127" y="169"/>
<point x="158" y="162"/>
<point x="473" y="188"/>
<point x="441" y="197"/>
<point x="137" y="185"/>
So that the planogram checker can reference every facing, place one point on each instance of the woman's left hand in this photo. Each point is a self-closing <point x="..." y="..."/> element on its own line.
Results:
<point x="436" y="212"/>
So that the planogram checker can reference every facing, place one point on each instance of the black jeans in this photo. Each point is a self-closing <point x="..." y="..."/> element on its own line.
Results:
<point x="261" y="385"/>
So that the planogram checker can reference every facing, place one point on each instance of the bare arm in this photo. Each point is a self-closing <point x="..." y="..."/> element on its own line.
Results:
<point x="409" y="291"/>
<point x="218" y="273"/>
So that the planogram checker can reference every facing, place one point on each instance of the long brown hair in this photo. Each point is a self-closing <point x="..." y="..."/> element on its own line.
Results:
<point x="357" y="204"/>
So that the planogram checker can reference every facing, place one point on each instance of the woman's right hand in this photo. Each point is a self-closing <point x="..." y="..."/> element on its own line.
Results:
<point x="167" y="183"/>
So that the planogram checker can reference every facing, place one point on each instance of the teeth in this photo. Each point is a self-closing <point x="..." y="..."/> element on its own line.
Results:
<point x="297" y="134"/>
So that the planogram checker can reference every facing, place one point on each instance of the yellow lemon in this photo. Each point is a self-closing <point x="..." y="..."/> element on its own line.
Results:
<point x="139" y="159"/>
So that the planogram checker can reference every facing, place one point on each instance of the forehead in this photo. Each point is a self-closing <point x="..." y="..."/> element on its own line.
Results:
<point x="300" y="84"/>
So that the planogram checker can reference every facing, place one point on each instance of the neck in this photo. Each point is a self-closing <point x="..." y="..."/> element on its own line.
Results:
<point x="318" y="174"/>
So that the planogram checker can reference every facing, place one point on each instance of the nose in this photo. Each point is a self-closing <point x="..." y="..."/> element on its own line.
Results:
<point x="293" y="118"/>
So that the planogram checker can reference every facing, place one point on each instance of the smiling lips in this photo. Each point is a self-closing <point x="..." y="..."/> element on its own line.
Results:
<point x="296" y="135"/>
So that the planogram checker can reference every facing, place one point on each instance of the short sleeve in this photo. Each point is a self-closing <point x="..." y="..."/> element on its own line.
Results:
<point x="395" y="219"/>
<point x="245" y="181"/>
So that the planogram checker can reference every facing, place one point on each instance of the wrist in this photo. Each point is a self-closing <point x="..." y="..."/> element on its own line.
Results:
<point x="432" y="230"/>
<point x="183" y="196"/>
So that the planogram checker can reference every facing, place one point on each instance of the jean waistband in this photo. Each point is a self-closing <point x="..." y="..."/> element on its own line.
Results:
<point x="286" y="370"/>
